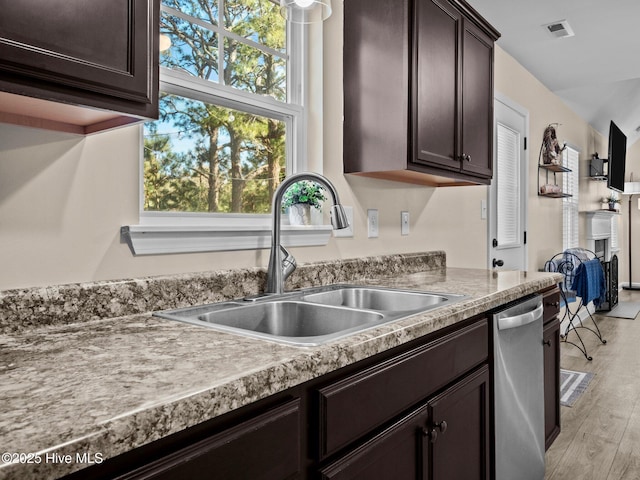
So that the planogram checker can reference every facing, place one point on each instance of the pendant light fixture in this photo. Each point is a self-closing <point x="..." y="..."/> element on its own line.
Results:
<point x="305" y="11"/>
<point x="165" y="42"/>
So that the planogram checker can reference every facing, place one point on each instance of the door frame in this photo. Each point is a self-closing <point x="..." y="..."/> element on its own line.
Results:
<point x="491" y="210"/>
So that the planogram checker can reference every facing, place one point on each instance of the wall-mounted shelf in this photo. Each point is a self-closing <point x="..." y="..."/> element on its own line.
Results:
<point x="554" y="168"/>
<point x="597" y="171"/>
<point x="551" y="168"/>
<point x="555" y="195"/>
<point x="550" y="152"/>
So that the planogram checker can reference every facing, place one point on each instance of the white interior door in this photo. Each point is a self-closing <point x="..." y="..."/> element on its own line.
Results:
<point x="509" y="187"/>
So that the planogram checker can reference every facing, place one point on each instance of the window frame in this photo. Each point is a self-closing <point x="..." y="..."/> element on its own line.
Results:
<point x="186" y="232"/>
<point x="571" y="204"/>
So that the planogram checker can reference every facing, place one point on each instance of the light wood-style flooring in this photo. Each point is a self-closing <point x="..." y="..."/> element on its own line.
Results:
<point x="600" y="434"/>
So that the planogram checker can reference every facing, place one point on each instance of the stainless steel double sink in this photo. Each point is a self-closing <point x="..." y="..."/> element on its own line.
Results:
<point x="312" y="316"/>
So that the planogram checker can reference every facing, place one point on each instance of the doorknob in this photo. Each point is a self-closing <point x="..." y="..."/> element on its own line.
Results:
<point x="497" y="263"/>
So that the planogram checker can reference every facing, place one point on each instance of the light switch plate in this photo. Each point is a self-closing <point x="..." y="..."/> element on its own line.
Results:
<point x="372" y="223"/>
<point x="404" y="223"/>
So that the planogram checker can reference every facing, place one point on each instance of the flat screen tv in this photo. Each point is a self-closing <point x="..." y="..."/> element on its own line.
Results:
<point x="617" y="158"/>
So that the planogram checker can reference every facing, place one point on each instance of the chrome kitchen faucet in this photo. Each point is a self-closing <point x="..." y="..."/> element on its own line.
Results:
<point x="280" y="268"/>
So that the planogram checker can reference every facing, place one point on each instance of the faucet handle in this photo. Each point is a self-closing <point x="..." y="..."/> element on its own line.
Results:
<point x="288" y="263"/>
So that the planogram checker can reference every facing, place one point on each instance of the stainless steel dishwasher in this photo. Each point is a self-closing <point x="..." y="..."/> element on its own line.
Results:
<point x="519" y="390"/>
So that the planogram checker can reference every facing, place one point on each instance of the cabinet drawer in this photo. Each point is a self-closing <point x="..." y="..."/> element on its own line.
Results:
<point x="266" y="447"/>
<point x="362" y="402"/>
<point x="551" y="304"/>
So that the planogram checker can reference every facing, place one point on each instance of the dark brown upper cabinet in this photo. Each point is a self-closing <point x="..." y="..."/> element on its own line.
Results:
<point x="418" y="91"/>
<point x="58" y="55"/>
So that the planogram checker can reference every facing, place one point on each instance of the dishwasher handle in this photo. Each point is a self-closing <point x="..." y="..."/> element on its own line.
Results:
<point x="520" y="320"/>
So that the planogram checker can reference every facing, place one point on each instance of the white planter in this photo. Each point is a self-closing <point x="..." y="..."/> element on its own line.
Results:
<point x="300" y="214"/>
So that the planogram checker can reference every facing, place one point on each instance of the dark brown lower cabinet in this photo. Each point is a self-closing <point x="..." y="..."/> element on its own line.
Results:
<point x="551" y="339"/>
<point x="427" y="442"/>
<point x="266" y="446"/>
<point x="459" y="422"/>
<point x="398" y="452"/>
<point x="263" y="448"/>
<point x="418" y="411"/>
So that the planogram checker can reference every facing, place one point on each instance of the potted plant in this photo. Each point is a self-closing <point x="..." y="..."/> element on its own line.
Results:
<point x="299" y="198"/>
<point x="612" y="199"/>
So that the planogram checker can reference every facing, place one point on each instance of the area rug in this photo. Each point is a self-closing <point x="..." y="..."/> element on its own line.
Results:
<point x="624" y="310"/>
<point x="572" y="385"/>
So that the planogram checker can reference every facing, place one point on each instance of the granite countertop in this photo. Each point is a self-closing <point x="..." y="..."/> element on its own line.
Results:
<point x="102" y="387"/>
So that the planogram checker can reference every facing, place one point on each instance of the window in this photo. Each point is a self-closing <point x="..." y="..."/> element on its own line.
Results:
<point x="227" y="113"/>
<point x="508" y="172"/>
<point x="570" y="222"/>
<point x="232" y="126"/>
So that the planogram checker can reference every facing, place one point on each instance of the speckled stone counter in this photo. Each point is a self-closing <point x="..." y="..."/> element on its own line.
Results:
<point x="109" y="385"/>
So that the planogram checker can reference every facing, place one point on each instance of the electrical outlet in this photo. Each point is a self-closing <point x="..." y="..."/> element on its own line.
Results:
<point x="346" y="232"/>
<point x="404" y="223"/>
<point x="372" y="223"/>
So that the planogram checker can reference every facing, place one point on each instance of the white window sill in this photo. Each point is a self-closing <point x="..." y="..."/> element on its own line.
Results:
<point x="164" y="239"/>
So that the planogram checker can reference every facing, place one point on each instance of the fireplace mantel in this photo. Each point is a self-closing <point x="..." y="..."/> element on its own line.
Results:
<point x="603" y="225"/>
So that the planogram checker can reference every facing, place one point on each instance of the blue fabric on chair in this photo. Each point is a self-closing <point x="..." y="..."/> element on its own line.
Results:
<point x="589" y="282"/>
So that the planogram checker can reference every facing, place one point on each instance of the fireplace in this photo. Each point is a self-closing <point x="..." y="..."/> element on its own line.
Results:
<point x="602" y="239"/>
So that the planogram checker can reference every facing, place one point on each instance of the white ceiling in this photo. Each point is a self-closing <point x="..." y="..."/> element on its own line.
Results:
<point x="596" y="72"/>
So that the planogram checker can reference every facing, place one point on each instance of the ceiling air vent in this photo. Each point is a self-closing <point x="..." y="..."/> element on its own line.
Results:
<point x="559" y="29"/>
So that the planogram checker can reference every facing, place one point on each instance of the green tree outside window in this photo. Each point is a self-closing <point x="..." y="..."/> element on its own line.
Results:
<point x="202" y="157"/>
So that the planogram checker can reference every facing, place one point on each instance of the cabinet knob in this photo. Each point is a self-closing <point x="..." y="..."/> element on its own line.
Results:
<point x="553" y="304"/>
<point x="442" y="426"/>
<point x="468" y="158"/>
<point x="547" y="343"/>
<point x="433" y="433"/>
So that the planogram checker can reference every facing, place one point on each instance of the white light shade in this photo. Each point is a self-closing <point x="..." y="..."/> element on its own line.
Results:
<point x="631" y="188"/>
<point x="165" y="42"/>
<point x="305" y="11"/>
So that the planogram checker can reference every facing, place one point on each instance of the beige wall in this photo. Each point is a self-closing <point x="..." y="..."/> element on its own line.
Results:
<point x="545" y="214"/>
<point x="632" y="167"/>
<point x="64" y="198"/>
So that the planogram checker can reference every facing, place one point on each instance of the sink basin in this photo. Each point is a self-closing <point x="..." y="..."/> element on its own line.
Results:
<point x="377" y="299"/>
<point x="295" y="322"/>
<point x="291" y="319"/>
<point x="312" y="316"/>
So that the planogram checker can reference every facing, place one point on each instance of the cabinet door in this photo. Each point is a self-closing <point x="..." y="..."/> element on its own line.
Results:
<point x="367" y="400"/>
<point x="397" y="453"/>
<point x="459" y="435"/>
<point x="436" y="84"/>
<point x="445" y="439"/>
<point x="551" y="338"/>
<point x="266" y="447"/>
<point x="477" y="101"/>
<point x="92" y="53"/>
<point x="376" y="85"/>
